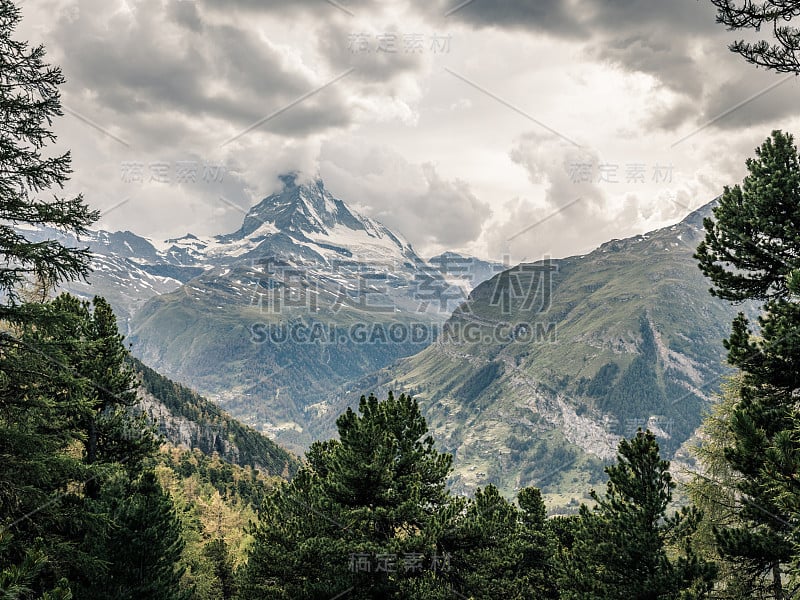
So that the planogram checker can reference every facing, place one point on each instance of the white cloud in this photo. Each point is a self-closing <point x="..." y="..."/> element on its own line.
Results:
<point x="433" y="212"/>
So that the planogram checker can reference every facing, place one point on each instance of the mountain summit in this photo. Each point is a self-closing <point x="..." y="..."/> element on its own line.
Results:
<point x="304" y="209"/>
<point x="308" y="221"/>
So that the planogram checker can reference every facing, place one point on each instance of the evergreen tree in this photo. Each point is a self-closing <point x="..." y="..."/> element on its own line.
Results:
<point x="783" y="53"/>
<point x="116" y="447"/>
<point x="486" y="551"/>
<point x="29" y="100"/>
<point x="751" y="253"/>
<point x="364" y="515"/>
<point x="39" y="401"/>
<point x="538" y="545"/>
<point x="67" y="387"/>
<point x="16" y="580"/>
<point x="216" y="551"/>
<point x="501" y="551"/>
<point x="715" y="491"/>
<point x="43" y="401"/>
<point x="144" y="544"/>
<point x="110" y="431"/>
<point x="64" y="383"/>
<point x="752" y="242"/>
<point x="627" y="547"/>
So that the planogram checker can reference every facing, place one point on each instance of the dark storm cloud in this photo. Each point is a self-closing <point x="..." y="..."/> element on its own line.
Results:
<point x="682" y="16"/>
<point x="165" y="59"/>
<point x="655" y="37"/>
<point x="654" y="53"/>
<point x="550" y="16"/>
<point x="570" y="18"/>
<point x="187" y="15"/>
<point x="756" y="98"/>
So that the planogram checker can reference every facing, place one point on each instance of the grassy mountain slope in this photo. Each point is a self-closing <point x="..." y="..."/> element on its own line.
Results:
<point x="535" y="379"/>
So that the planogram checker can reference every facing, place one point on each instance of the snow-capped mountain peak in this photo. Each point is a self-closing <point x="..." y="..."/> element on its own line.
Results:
<point x="316" y="225"/>
<point x="304" y="229"/>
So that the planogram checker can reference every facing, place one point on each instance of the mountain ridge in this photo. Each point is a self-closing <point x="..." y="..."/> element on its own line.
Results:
<point x="538" y="388"/>
<point x="186" y="419"/>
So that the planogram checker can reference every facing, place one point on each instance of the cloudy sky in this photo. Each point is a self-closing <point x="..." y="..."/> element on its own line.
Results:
<point x="496" y="127"/>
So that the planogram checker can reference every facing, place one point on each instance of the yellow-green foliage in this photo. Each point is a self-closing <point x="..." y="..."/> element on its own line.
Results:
<point x="216" y="501"/>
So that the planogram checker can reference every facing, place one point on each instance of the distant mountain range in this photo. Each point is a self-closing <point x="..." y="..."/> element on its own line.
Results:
<point x="268" y="320"/>
<point x="127" y="269"/>
<point x="305" y="296"/>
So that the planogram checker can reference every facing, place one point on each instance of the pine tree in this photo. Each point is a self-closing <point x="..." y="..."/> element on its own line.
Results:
<point x="783" y="53"/>
<point x="111" y="432"/>
<point x="16" y="580"/>
<point x="364" y="514"/>
<point x="485" y="550"/>
<point x="144" y="545"/>
<point x="538" y="545"/>
<point x="751" y="253"/>
<point x="68" y="386"/>
<point x="40" y="474"/>
<point x="501" y="551"/>
<point x="216" y="551"/>
<point x="29" y="100"/>
<point x="621" y="547"/>
<point x="752" y="242"/>
<point x="39" y="400"/>
<point x="117" y="446"/>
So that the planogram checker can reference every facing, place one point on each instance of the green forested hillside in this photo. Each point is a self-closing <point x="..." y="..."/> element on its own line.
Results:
<point x="216" y="502"/>
<point x="196" y="422"/>
<point x="213" y="336"/>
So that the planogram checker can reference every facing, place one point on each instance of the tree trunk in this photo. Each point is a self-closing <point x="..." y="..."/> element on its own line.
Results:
<point x="777" y="584"/>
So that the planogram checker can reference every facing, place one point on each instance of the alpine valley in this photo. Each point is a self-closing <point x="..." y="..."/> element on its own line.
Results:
<point x="529" y="375"/>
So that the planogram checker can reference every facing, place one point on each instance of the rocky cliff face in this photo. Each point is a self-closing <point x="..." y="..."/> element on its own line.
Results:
<point x="185" y="433"/>
<point x="188" y="420"/>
